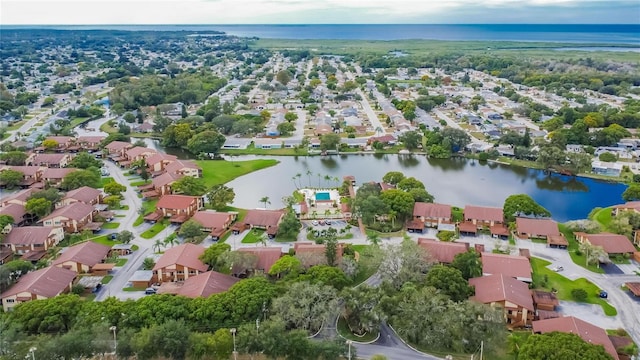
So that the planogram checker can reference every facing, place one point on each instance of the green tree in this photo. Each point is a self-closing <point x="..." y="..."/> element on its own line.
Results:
<point x="125" y="236"/>
<point x="522" y="205"/>
<point x="289" y="226"/>
<point x="5" y="220"/>
<point x="207" y="142"/>
<point x="406" y="262"/>
<point x="286" y="128"/>
<point x="84" y="160"/>
<point x="468" y="263"/>
<point x="188" y="185"/>
<point x="361" y="308"/>
<point x="113" y="188"/>
<point x="10" y="178"/>
<point x="265" y="201"/>
<point x="399" y="201"/>
<point x="50" y="144"/>
<point x="326" y="275"/>
<point x="113" y="201"/>
<point x="220" y="196"/>
<point x="449" y="280"/>
<point x="39" y="207"/>
<point x="211" y="256"/>
<point x="305" y="306"/>
<point x="393" y="177"/>
<point x="129" y="117"/>
<point x="579" y="163"/>
<point x="331" y="249"/>
<point x="551" y="156"/>
<point x="283" y="77"/>
<point x="608" y="157"/>
<point x="148" y="264"/>
<point x="166" y="339"/>
<point x="411" y="140"/>
<point x="632" y="193"/>
<point x="80" y="178"/>
<point x="457" y="138"/>
<point x="407" y="184"/>
<point x="421" y="195"/>
<point x="290" y="116"/>
<point x="286" y="266"/>
<point x="329" y="141"/>
<point x="177" y="135"/>
<point x="15" y="158"/>
<point x="191" y="229"/>
<point x="561" y="346"/>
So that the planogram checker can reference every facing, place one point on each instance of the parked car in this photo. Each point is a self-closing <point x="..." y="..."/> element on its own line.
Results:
<point x="328" y="222"/>
<point x="603" y="294"/>
<point x="314" y="223"/>
<point x="558" y="268"/>
<point x="150" y="291"/>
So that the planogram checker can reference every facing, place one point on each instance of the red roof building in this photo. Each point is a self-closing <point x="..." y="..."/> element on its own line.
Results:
<point x="483" y="216"/>
<point x="442" y="251"/>
<point x="206" y="284"/>
<point x="38" y="285"/>
<point x="266" y="257"/>
<point x="85" y="194"/>
<point x="179" y="208"/>
<point x="179" y="263"/>
<point x="33" y="238"/>
<point x="536" y="228"/>
<point x="509" y="294"/>
<point x="73" y="218"/>
<point x="611" y="243"/>
<point x="311" y="254"/>
<point x="264" y="219"/>
<point x="83" y="257"/>
<point x="517" y="267"/>
<point x="432" y="214"/>
<point x="213" y="222"/>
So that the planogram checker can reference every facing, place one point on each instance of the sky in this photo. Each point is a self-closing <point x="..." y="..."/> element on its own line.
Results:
<point x="81" y="12"/>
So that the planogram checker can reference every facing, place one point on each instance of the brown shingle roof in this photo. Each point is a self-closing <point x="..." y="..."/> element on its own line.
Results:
<point x="56" y="173"/>
<point x="545" y="298"/>
<point x="441" y="251"/>
<point x="27" y="235"/>
<point x="176" y="201"/>
<point x="90" y="139"/>
<point x="84" y="194"/>
<point x="74" y="211"/>
<point x="47" y="282"/>
<point x="25" y="170"/>
<point x="267" y="256"/>
<point x="514" y="266"/>
<point x="139" y="150"/>
<point x="317" y="252"/>
<point x="212" y="219"/>
<point x="499" y="287"/>
<point x="178" y="165"/>
<point x="164" y="179"/>
<point x="20" y="196"/>
<point x="61" y="139"/>
<point x="483" y="213"/>
<point x="48" y="158"/>
<point x="611" y="243"/>
<point x="206" y="284"/>
<point x="158" y="157"/>
<point x="634" y="287"/>
<point x="543" y="227"/>
<point x="432" y="211"/>
<point x="87" y="253"/>
<point x="588" y="332"/>
<point x="263" y="218"/>
<point x="17" y="212"/>
<point x="186" y="255"/>
<point x="117" y="145"/>
<point x="467" y="227"/>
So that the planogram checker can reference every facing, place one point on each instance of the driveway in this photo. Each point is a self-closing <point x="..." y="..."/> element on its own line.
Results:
<point x="591" y="313"/>
<point x="611" y="269"/>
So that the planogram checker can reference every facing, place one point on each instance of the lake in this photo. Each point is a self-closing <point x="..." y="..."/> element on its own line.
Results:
<point x="456" y="181"/>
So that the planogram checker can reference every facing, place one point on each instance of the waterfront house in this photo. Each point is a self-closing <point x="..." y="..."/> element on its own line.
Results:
<point x="508" y="294"/>
<point x="612" y="244"/>
<point x="38" y="285"/>
<point x="178" y="208"/>
<point x="213" y="222"/>
<point x="482" y="216"/>
<point x="179" y="263"/>
<point x="517" y="267"/>
<point x="82" y="258"/>
<point x="432" y="214"/>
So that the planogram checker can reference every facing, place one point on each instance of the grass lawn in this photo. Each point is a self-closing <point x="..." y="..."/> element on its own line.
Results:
<point x="252" y="150"/>
<point x="456" y="214"/>
<point x="573" y="247"/>
<point x="225" y="236"/>
<point x="140" y="182"/>
<point x="603" y="216"/>
<point x="343" y="329"/>
<point x="121" y="261"/>
<point x="154" y="230"/>
<point x="120" y="216"/>
<point x="216" y="172"/>
<point x="106" y="279"/>
<point x="104" y="240"/>
<point x="105" y="180"/>
<point x="564" y="286"/>
<point x="16" y="125"/>
<point x="253" y="236"/>
<point x="134" y="289"/>
<point x="148" y="206"/>
<point x="111" y="225"/>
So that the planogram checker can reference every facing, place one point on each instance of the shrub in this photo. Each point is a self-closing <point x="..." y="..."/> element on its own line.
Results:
<point x="77" y="289"/>
<point x="483" y="156"/>
<point x="579" y="295"/>
<point x="446" y="235"/>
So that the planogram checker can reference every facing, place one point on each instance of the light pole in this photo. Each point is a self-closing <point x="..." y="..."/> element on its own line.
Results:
<point x="349" y="342"/>
<point x="115" y="341"/>
<point x="235" y="353"/>
<point x="32" y="351"/>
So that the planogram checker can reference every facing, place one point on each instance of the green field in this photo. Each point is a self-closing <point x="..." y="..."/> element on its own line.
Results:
<point x="154" y="230"/>
<point x="106" y="279"/>
<point x="111" y="225"/>
<point x="104" y="240"/>
<point x="251" y="150"/>
<point x="603" y="216"/>
<point x="564" y="286"/>
<point x="254" y="236"/>
<point x="216" y="172"/>
<point x="139" y="183"/>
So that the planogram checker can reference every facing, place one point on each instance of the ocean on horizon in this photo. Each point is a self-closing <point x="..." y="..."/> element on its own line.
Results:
<point x="570" y="33"/>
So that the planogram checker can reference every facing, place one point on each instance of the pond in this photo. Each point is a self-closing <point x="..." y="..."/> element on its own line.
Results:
<point x="453" y="181"/>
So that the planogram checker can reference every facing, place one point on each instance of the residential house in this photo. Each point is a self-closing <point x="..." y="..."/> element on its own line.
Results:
<point x="54" y="176"/>
<point x="117" y="149"/>
<point x="441" y="251"/>
<point x="628" y="206"/>
<point x="64" y="142"/>
<point x="33" y="238"/>
<point x="311" y="254"/>
<point x="19" y="198"/>
<point x="612" y="244"/>
<point x="160" y="185"/>
<point x="157" y="162"/>
<point x="430" y="214"/>
<point x="517" y="267"/>
<point x="606" y="168"/>
<point x="74" y="218"/>
<point x="264" y="219"/>
<point x="179" y="263"/>
<point x="265" y="257"/>
<point x="184" y="167"/>
<point x="215" y="223"/>
<point x="507" y="293"/>
<point x="85" y="195"/>
<point x="18" y="213"/>
<point x="483" y="216"/>
<point x="91" y="143"/>
<point x="267" y="143"/>
<point x="542" y="229"/>
<point x="544" y="300"/>
<point x="38" y="285"/>
<point x="141" y="278"/>
<point x="387" y="139"/>
<point x="145" y="127"/>
<point x="30" y="174"/>
<point x="572" y="325"/>
<point x="179" y="208"/>
<point x="136" y="154"/>
<point x="48" y="160"/>
<point x="82" y="258"/>
<point x="206" y="284"/>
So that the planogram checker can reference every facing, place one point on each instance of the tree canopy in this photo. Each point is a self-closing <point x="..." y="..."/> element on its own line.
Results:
<point x="522" y="205"/>
<point x="560" y="346"/>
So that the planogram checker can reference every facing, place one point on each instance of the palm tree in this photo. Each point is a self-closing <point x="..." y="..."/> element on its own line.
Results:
<point x="392" y="215"/>
<point x="337" y="180"/>
<point x="294" y="182"/>
<point x="265" y="201"/>
<point x="327" y="178"/>
<point x="309" y="172"/>
<point x="298" y="176"/>
<point x="378" y="130"/>
<point x="157" y="245"/>
<point x="373" y="238"/>
<point x="319" y="178"/>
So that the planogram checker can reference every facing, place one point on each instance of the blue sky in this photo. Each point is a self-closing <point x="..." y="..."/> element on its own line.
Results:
<point x="14" y="12"/>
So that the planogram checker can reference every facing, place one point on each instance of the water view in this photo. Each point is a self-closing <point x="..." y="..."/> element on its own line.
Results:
<point x="456" y="181"/>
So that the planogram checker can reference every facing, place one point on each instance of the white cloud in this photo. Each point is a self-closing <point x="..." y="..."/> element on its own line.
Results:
<point x="268" y="11"/>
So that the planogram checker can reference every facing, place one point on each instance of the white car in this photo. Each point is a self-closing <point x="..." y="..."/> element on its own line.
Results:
<point x="314" y="223"/>
<point x="558" y="268"/>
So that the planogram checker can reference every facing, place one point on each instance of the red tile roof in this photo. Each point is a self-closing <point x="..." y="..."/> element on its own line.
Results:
<point x="206" y="284"/>
<point x="545" y="298"/>
<point x="117" y="145"/>
<point x="90" y="139"/>
<point x="27" y="235"/>
<point x="84" y="194"/>
<point x="267" y="256"/>
<point x="178" y="165"/>
<point x="176" y="202"/>
<point x="542" y="227"/>
<point x="17" y="212"/>
<point x="56" y="173"/>
<point x="311" y="254"/>
<point x="48" y="159"/>
<point x="212" y="219"/>
<point x="60" y="139"/>
<point x="158" y="157"/>
<point x="25" y="170"/>
<point x="611" y="243"/>
<point x="87" y="253"/>
<point x="482" y="213"/>
<point x="588" y="332"/>
<point x="432" y="211"/>
<point x="634" y="287"/>
<point x="165" y="179"/>
<point x="514" y="266"/>
<point x="499" y="287"/>
<point x="47" y="282"/>
<point x="263" y="218"/>
<point x="138" y="150"/>
<point x="74" y="211"/>
<point x="468" y="227"/>
<point x="20" y="196"/>
<point x="186" y="255"/>
<point x="442" y="251"/>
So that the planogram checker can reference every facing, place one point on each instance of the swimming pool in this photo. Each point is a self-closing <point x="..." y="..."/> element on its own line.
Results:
<point x="323" y="196"/>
